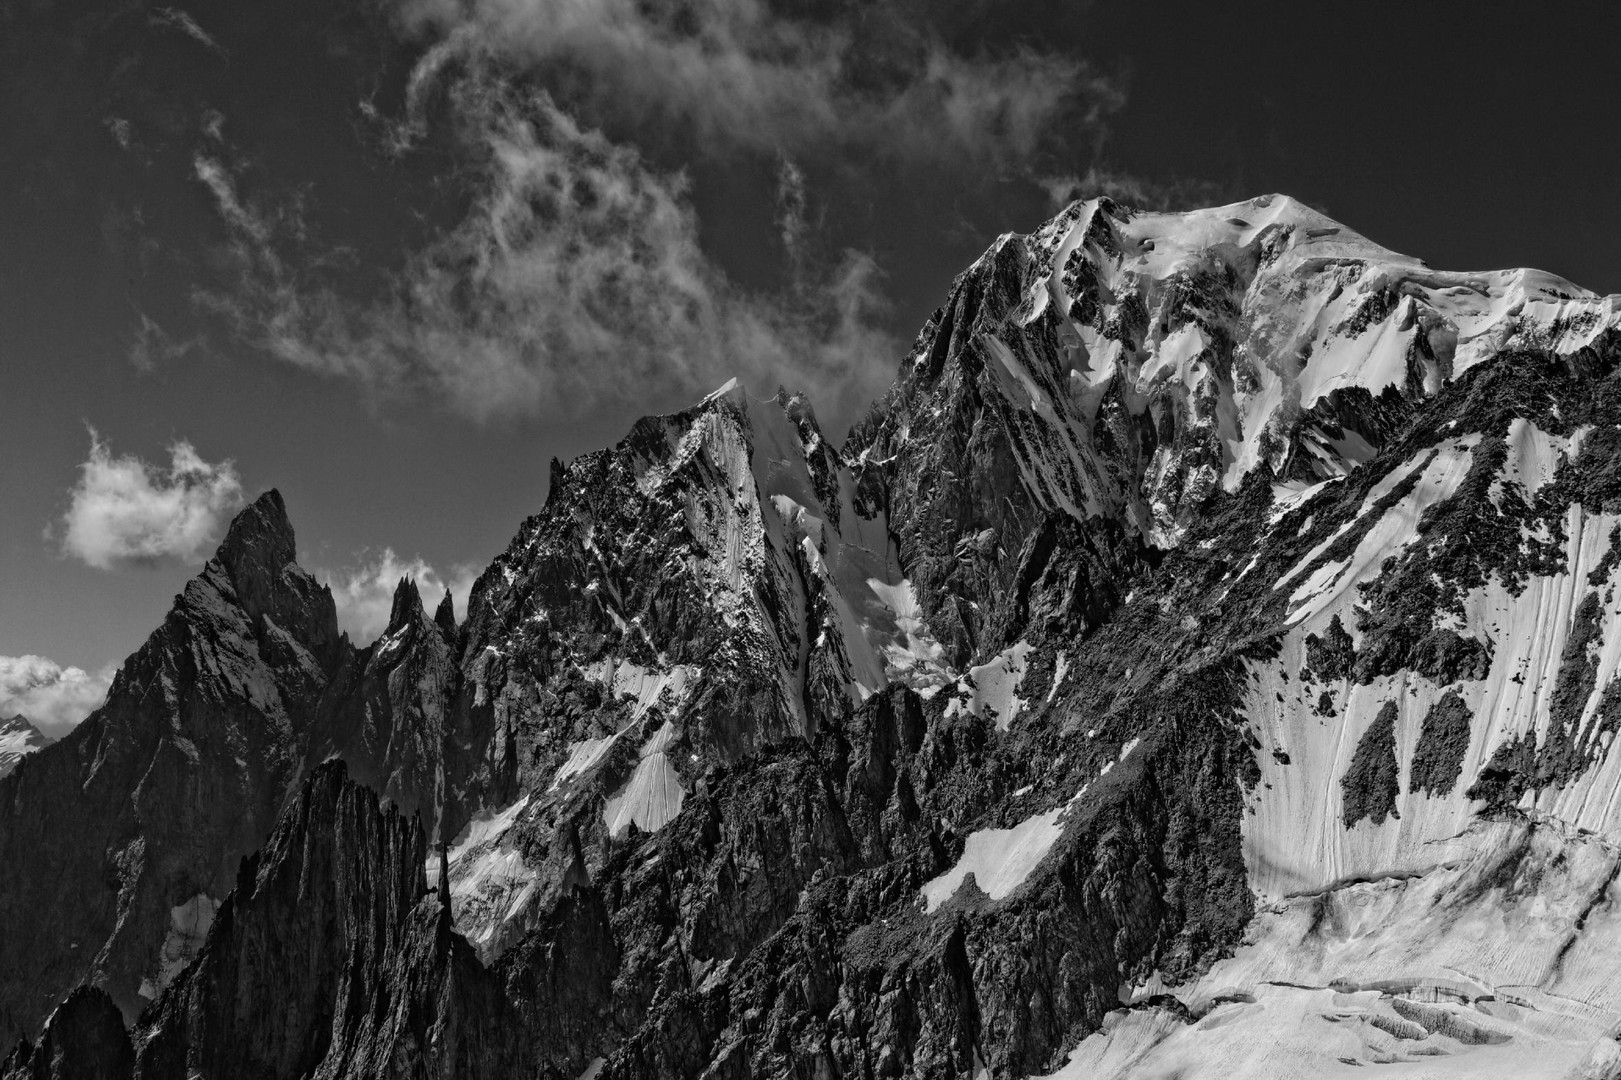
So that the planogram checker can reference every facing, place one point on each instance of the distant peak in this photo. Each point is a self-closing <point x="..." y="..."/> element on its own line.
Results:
<point x="20" y="724"/>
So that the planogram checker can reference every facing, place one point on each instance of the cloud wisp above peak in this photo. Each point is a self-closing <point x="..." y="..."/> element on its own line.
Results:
<point x="53" y="698"/>
<point x="1145" y="193"/>
<point x="127" y="511"/>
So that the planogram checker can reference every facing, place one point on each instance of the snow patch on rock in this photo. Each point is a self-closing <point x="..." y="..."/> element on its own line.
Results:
<point x="1534" y="456"/>
<point x="188" y="929"/>
<point x="647" y="686"/>
<point x="1447" y="467"/>
<point x="490" y="883"/>
<point x="999" y="859"/>
<point x="652" y="797"/>
<point x="992" y="687"/>
<point x="1060" y="669"/>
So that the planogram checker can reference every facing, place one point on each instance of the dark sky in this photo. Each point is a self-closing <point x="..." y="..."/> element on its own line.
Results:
<point x="238" y="226"/>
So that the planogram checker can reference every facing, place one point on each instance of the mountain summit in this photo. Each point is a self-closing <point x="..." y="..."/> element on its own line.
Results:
<point x="19" y="738"/>
<point x="1200" y="662"/>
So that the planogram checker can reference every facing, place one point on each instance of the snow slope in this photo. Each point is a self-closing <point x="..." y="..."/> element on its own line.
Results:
<point x="1295" y="835"/>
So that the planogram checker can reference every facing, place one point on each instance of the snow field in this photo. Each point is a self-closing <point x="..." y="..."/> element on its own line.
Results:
<point x="1295" y="840"/>
<point x="490" y="883"/>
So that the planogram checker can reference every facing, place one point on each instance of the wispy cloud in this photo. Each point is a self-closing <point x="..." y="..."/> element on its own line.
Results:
<point x="151" y="346"/>
<point x="183" y="22"/>
<point x="576" y="278"/>
<point x="746" y="73"/>
<point x="53" y="697"/>
<point x="793" y="205"/>
<point x="364" y="592"/>
<point x="125" y="510"/>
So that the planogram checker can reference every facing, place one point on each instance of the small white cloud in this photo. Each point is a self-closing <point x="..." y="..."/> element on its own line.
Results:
<point x="365" y="593"/>
<point x="125" y="510"/>
<point x="52" y="697"/>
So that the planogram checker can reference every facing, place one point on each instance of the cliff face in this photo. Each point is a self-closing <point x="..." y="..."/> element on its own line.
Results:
<point x="330" y="958"/>
<point x="1199" y="663"/>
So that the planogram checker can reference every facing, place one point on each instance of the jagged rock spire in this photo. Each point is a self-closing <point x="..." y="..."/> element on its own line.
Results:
<point x="444" y="617"/>
<point x="444" y="873"/>
<point x="259" y="555"/>
<point x="407" y="602"/>
<point x="261" y="532"/>
<point x="445" y="916"/>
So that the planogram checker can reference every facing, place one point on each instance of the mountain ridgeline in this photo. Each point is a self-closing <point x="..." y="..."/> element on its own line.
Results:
<point x="1201" y="662"/>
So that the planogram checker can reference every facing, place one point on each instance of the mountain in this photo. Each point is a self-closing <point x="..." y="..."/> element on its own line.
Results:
<point x="1199" y="663"/>
<point x="19" y="738"/>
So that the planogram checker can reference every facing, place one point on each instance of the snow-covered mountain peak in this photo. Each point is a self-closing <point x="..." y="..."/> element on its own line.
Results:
<point x="1138" y="360"/>
<point x="18" y="739"/>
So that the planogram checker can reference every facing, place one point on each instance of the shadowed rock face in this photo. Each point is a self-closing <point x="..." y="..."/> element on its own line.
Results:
<point x="330" y="958"/>
<point x="386" y="709"/>
<point x="129" y="835"/>
<point x="154" y="799"/>
<point x="1191" y="558"/>
<point x="84" y="1039"/>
